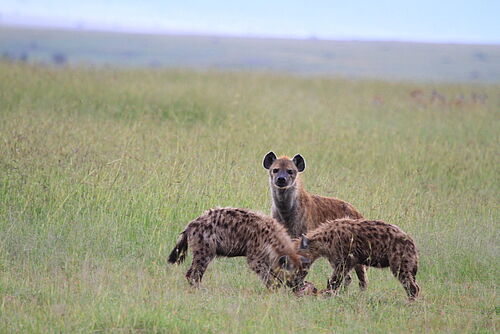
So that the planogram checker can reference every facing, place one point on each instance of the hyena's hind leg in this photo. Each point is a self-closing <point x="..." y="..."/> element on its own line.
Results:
<point x="201" y="259"/>
<point x="405" y="272"/>
<point x="411" y="286"/>
<point x="408" y="281"/>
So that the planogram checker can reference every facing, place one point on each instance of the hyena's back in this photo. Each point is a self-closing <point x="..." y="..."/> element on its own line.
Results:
<point x="219" y="231"/>
<point x="235" y="232"/>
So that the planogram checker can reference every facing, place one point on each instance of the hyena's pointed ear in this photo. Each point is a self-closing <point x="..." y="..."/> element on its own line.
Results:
<point x="269" y="159"/>
<point x="299" y="161"/>
<point x="284" y="262"/>
<point x="304" y="242"/>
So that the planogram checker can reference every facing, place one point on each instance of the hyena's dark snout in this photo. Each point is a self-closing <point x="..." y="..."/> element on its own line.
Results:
<point x="281" y="181"/>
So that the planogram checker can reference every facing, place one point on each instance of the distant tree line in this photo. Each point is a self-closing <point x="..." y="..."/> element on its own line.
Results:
<point x="57" y="58"/>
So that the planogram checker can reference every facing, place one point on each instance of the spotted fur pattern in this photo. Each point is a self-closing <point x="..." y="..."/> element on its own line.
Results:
<point x="233" y="232"/>
<point x="346" y="243"/>
<point x="298" y="210"/>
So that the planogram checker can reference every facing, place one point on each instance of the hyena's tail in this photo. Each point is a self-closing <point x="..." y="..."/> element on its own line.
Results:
<point x="178" y="254"/>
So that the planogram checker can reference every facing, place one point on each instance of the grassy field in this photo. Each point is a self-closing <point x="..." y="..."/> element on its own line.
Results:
<point x="100" y="171"/>
<point x="349" y="59"/>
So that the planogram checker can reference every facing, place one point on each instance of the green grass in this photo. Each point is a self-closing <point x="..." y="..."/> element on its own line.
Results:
<point x="100" y="171"/>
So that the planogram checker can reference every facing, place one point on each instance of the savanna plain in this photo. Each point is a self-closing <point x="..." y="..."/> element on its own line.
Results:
<point x="101" y="169"/>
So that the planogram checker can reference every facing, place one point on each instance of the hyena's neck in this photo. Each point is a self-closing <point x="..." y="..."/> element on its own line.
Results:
<point x="285" y="201"/>
<point x="320" y="245"/>
<point x="286" y="208"/>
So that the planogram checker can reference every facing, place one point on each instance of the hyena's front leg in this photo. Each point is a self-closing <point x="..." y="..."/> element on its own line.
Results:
<point x="201" y="259"/>
<point x="340" y="274"/>
<point x="361" y="273"/>
<point x="263" y="270"/>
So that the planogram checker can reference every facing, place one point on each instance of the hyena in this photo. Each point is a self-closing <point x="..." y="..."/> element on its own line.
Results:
<point x="231" y="232"/>
<point x="348" y="242"/>
<point x="300" y="211"/>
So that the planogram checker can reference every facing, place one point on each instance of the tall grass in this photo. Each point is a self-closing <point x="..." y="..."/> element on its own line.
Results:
<point x="100" y="171"/>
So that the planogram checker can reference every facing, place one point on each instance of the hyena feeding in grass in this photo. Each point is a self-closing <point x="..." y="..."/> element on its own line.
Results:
<point x="300" y="211"/>
<point x="346" y="243"/>
<point x="231" y="232"/>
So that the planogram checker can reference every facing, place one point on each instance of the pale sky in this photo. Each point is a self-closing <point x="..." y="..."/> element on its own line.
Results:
<point x="424" y="20"/>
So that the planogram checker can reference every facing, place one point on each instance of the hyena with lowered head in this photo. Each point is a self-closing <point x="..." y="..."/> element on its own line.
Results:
<point x="348" y="242"/>
<point x="231" y="232"/>
<point x="300" y="211"/>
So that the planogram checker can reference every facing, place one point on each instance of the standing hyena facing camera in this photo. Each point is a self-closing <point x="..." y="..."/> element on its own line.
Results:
<point x="300" y="211"/>
<point x="233" y="232"/>
<point x="346" y="243"/>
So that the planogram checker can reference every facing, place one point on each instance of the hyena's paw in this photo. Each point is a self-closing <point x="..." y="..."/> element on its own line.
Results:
<point x="327" y="293"/>
<point x="308" y="289"/>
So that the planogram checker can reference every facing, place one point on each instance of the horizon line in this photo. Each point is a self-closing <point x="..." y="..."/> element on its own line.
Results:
<point x="85" y="27"/>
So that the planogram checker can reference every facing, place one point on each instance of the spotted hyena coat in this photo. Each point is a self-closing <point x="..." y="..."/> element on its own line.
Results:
<point x="347" y="242"/>
<point x="238" y="232"/>
<point x="300" y="211"/>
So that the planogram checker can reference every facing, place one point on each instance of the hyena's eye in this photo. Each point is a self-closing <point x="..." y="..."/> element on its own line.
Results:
<point x="290" y="171"/>
<point x="275" y="170"/>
